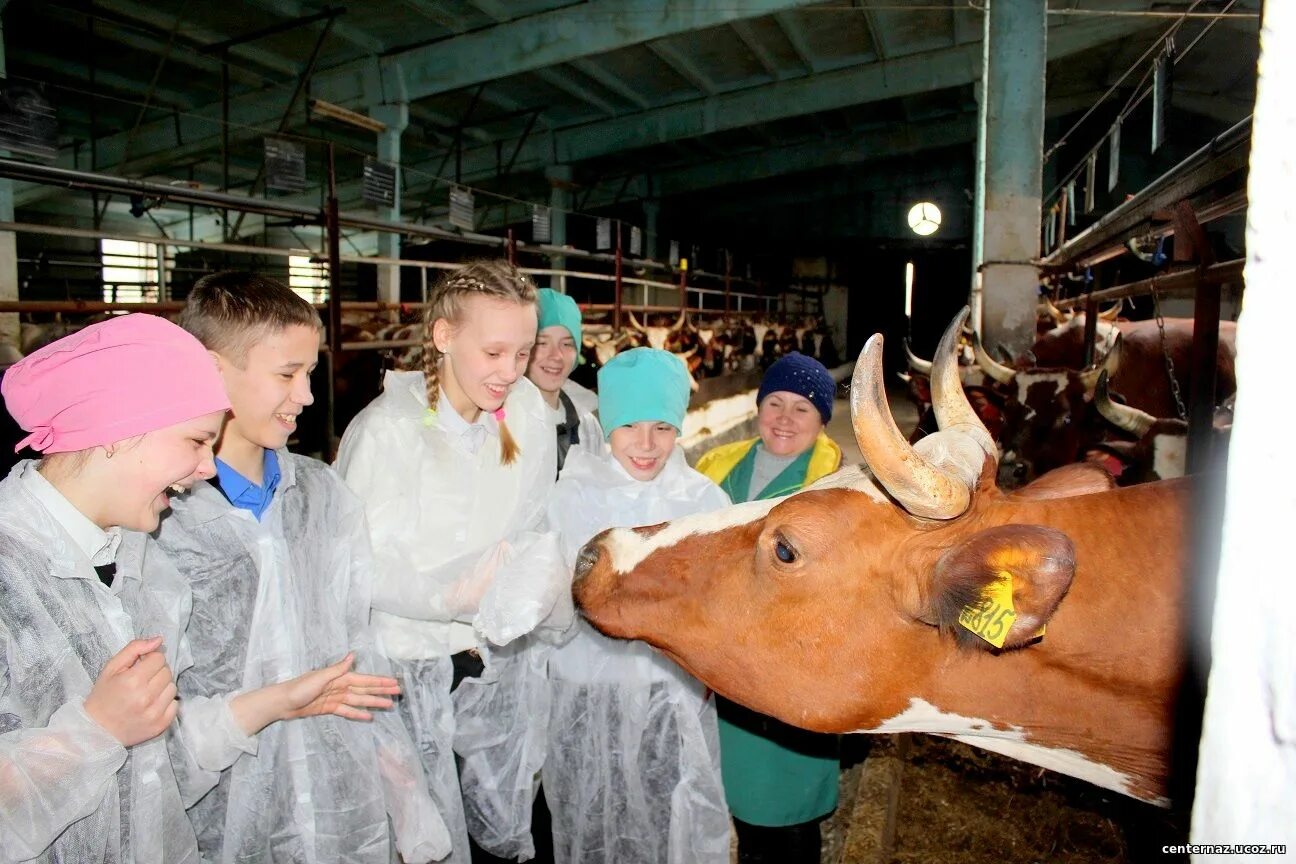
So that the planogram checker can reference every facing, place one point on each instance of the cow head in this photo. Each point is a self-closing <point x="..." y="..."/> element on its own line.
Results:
<point x="849" y="606"/>
<point x="1048" y="414"/>
<point x="910" y="511"/>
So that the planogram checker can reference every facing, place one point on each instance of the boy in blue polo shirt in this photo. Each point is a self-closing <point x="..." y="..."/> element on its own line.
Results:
<point x="276" y="551"/>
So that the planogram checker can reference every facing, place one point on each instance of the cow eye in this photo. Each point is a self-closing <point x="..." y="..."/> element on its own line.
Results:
<point x="784" y="551"/>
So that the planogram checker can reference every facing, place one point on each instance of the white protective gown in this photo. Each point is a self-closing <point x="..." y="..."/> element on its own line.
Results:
<point x="462" y="563"/>
<point x="272" y="600"/>
<point x="585" y="399"/>
<point x="69" y="792"/>
<point x="632" y="773"/>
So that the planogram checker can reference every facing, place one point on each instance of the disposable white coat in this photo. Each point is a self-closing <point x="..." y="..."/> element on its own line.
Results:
<point x="632" y="772"/>
<point x="273" y="600"/>
<point x="584" y="399"/>
<point x="444" y="520"/>
<point x="68" y="790"/>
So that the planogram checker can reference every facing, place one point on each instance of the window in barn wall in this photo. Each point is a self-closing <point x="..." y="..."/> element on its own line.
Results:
<point x="130" y="271"/>
<point x="308" y="279"/>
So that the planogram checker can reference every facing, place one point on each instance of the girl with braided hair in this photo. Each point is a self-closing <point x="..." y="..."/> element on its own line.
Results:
<point x="455" y="464"/>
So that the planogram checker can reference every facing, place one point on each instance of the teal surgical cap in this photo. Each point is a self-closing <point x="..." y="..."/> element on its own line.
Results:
<point x="559" y="309"/>
<point x="643" y="384"/>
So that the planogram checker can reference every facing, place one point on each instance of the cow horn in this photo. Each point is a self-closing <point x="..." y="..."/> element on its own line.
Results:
<point x="1132" y="420"/>
<point x="1110" y="314"/>
<point x="1109" y="364"/>
<point x="1055" y="313"/>
<point x="918" y="486"/>
<point x="683" y="319"/>
<point x="992" y="367"/>
<point x="634" y="322"/>
<point x="916" y="363"/>
<point x="686" y="354"/>
<point x="954" y="413"/>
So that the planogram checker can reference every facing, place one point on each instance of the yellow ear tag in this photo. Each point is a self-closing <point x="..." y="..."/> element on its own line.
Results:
<point x="992" y="617"/>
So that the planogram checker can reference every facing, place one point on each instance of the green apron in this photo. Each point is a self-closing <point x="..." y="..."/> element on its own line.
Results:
<point x="774" y="774"/>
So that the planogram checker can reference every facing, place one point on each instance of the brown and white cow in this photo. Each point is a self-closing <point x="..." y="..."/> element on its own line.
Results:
<point x="1049" y="415"/>
<point x="837" y="609"/>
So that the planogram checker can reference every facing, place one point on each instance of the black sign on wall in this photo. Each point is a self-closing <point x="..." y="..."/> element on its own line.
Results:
<point x="378" y="186"/>
<point x="28" y="123"/>
<point x="285" y="165"/>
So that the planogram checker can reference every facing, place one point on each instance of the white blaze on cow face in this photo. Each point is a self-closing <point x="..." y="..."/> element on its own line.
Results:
<point x="628" y="548"/>
<point x="1169" y="456"/>
<point x="1010" y="741"/>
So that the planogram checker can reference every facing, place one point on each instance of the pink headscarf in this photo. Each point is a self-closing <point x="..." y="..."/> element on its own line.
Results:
<point x="113" y="380"/>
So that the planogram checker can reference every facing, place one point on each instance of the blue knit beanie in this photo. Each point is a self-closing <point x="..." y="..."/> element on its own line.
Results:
<point x="559" y="309"/>
<point x="642" y="384"/>
<point x="805" y="376"/>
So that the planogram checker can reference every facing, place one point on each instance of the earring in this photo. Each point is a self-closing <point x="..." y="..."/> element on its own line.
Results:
<point x="108" y="454"/>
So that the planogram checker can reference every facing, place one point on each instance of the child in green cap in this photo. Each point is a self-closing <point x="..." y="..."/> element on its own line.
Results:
<point x="632" y="771"/>
<point x="555" y="355"/>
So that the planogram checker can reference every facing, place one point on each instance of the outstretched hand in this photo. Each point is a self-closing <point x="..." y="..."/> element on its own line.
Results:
<point x="337" y="690"/>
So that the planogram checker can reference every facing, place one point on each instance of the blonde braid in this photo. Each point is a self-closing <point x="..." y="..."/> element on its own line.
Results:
<point x="431" y="360"/>
<point x="487" y="277"/>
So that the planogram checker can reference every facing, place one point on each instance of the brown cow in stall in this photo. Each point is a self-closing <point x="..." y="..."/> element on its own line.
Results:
<point x="1049" y="417"/>
<point x="1159" y="449"/>
<point x="843" y="608"/>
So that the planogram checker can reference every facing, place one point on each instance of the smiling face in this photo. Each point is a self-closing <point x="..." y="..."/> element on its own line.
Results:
<point x="552" y="360"/>
<point x="485" y="352"/>
<point x="142" y="471"/>
<point x="269" y="389"/>
<point x="642" y="448"/>
<point x="788" y="423"/>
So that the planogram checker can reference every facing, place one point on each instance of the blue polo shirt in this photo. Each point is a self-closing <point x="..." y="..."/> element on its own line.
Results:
<point x="243" y="493"/>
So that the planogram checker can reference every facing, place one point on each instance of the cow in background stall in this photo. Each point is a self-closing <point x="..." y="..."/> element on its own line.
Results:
<point x="1050" y="419"/>
<point x="911" y="594"/>
<point x="1157" y="447"/>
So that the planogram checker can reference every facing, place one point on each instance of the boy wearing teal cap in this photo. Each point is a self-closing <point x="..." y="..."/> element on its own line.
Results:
<point x="648" y="790"/>
<point x="555" y="355"/>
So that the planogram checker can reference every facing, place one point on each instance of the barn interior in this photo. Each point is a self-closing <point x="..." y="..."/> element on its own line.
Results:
<point x="724" y="173"/>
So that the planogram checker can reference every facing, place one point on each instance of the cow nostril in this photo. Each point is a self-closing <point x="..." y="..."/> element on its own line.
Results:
<point x="586" y="560"/>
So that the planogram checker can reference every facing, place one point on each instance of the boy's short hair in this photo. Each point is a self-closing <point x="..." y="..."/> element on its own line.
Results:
<point x="229" y="312"/>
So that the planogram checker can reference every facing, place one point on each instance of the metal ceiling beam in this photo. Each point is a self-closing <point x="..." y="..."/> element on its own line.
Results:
<point x="871" y="82"/>
<point x="792" y="30"/>
<point x="746" y="33"/>
<point x="164" y="97"/>
<point x="682" y="66"/>
<point x="355" y="36"/>
<point x="524" y="45"/>
<point x="109" y="28"/>
<point x="876" y="39"/>
<point x="610" y="82"/>
<point x="149" y="15"/>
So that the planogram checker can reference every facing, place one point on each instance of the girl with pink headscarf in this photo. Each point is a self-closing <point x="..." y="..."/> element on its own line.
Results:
<point x="124" y="414"/>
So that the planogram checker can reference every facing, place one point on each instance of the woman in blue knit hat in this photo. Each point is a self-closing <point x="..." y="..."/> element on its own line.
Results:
<point x="780" y="782"/>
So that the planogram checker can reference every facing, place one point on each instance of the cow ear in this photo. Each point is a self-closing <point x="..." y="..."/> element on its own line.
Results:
<point x="999" y="587"/>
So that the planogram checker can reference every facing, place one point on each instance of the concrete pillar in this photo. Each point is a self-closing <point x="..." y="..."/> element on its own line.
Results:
<point x="560" y="203"/>
<point x="9" y="329"/>
<point x="1012" y="135"/>
<point x="651" y="210"/>
<point x="396" y="116"/>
